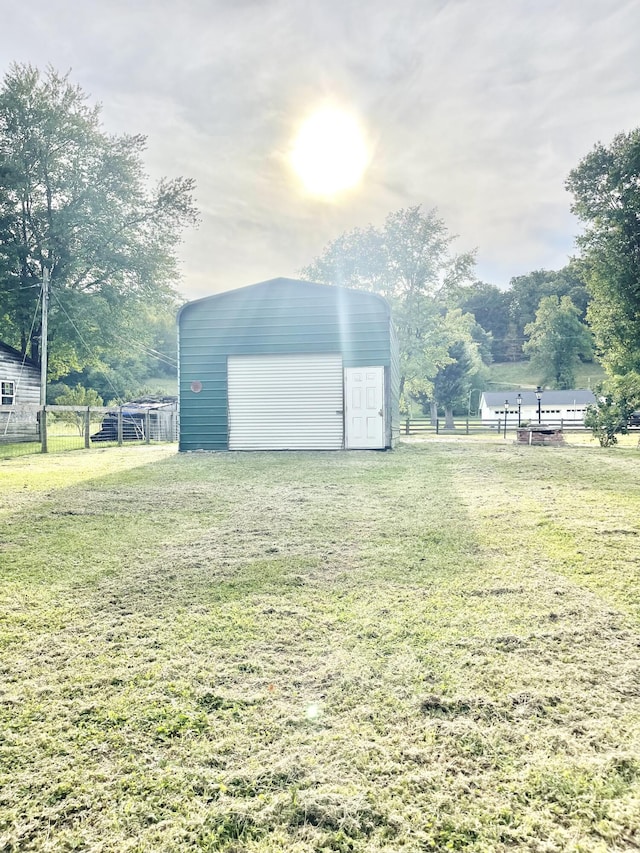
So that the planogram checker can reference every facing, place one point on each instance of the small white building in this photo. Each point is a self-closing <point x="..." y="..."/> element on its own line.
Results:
<point x="556" y="407"/>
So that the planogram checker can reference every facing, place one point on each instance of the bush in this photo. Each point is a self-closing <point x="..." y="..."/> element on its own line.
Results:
<point x="78" y="396"/>
<point x="607" y="419"/>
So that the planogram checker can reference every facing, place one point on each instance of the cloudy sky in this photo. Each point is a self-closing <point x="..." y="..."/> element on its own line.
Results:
<point x="477" y="107"/>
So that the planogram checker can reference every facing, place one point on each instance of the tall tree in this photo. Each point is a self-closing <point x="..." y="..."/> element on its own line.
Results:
<point x="606" y="191"/>
<point x="558" y="340"/>
<point x="451" y="382"/>
<point x="468" y="351"/>
<point x="526" y="291"/>
<point x="409" y="261"/>
<point x="491" y="308"/>
<point x="76" y="201"/>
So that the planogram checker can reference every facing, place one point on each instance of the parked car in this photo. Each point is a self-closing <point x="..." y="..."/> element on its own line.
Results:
<point x="634" y="419"/>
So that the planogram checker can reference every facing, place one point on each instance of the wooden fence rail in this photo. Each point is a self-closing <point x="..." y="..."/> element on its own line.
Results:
<point x="470" y="426"/>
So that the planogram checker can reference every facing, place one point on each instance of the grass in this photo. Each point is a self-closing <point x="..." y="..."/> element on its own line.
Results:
<point x="519" y="374"/>
<point x="163" y="385"/>
<point x="430" y="649"/>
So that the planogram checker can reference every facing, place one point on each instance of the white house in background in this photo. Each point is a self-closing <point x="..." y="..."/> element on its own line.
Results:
<point x="567" y="407"/>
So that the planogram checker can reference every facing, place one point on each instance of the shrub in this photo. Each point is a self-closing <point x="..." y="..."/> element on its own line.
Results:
<point x="607" y="419"/>
<point x="78" y="396"/>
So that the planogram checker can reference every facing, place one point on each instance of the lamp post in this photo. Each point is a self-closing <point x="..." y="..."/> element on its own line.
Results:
<point x="506" y="409"/>
<point x="538" y="397"/>
<point x="519" y="401"/>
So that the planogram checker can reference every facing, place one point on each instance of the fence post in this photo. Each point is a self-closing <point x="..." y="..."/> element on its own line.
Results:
<point x="120" y="427"/>
<point x="147" y="427"/>
<point x="43" y="429"/>
<point x="467" y="426"/>
<point x="407" y="426"/>
<point x="87" y="428"/>
<point x="437" y="426"/>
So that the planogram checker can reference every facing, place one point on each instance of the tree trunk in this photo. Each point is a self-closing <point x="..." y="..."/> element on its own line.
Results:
<point x="434" y="412"/>
<point x="34" y="344"/>
<point x="448" y="418"/>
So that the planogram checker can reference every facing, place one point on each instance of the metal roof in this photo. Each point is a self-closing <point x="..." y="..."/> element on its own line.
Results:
<point x="276" y="282"/>
<point x="18" y="355"/>
<point x="582" y="396"/>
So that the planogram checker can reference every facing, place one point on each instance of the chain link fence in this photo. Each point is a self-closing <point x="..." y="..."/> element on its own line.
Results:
<point x="51" y="429"/>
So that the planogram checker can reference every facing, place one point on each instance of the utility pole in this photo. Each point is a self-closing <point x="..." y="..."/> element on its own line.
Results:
<point x="44" y="336"/>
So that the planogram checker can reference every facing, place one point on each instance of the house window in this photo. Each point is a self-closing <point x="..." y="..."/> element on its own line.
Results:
<point x="8" y="392"/>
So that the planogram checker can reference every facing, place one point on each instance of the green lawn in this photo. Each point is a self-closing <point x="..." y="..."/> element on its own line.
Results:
<point x="519" y="374"/>
<point x="432" y="649"/>
<point x="163" y="385"/>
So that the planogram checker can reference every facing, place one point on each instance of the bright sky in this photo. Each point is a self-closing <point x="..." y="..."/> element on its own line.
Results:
<point x="477" y="107"/>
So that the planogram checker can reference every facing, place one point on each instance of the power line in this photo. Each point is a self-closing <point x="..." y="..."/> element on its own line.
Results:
<point x="86" y="345"/>
<point x="160" y="356"/>
<point x="153" y="353"/>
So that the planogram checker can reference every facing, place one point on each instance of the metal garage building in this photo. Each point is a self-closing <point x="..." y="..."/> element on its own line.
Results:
<point x="288" y="365"/>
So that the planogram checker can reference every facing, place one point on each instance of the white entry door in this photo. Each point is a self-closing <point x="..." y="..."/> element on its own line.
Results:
<point x="364" y="408"/>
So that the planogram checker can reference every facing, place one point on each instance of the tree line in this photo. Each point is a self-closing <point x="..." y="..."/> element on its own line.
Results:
<point x="450" y="325"/>
<point x="77" y="201"/>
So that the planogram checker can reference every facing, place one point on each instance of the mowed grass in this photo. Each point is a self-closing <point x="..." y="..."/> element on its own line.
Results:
<point x="430" y="649"/>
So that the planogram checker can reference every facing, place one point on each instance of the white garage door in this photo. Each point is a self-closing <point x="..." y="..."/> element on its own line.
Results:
<point x="285" y="402"/>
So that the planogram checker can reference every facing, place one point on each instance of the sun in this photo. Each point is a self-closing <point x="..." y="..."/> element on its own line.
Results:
<point x="330" y="153"/>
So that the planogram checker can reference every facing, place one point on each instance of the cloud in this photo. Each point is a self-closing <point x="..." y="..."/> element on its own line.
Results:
<point x="478" y="108"/>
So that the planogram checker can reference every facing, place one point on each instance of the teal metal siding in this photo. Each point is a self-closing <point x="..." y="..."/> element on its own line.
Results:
<point x="274" y="317"/>
<point x="394" y="376"/>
